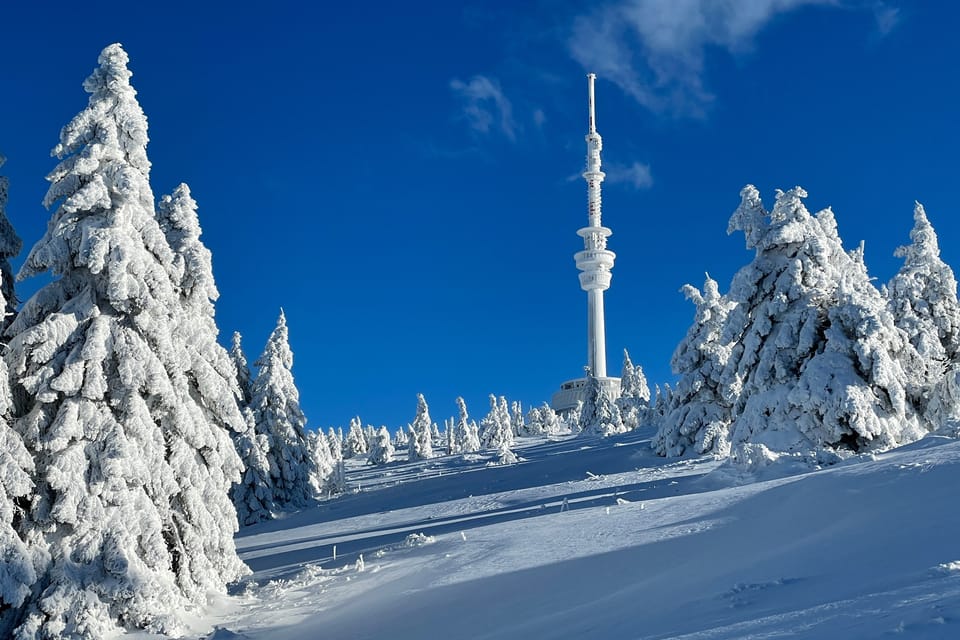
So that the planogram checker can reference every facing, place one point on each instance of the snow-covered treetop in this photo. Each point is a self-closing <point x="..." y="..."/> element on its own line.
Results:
<point x="243" y="369"/>
<point x="277" y="350"/>
<point x="10" y="242"/>
<point x="110" y="91"/>
<point x="102" y="190"/>
<point x="192" y="267"/>
<point x="924" y="245"/>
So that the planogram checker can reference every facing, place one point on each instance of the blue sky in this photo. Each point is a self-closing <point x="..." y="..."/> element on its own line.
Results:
<point x="403" y="178"/>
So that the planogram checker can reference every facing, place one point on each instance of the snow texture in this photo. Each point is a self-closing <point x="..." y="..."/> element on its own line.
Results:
<point x="276" y="410"/>
<point x="131" y="470"/>
<point x="811" y="359"/>
<point x="922" y="297"/>
<point x="10" y="246"/>
<point x="420" y="441"/>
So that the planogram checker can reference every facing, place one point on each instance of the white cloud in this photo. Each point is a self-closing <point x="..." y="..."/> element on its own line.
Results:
<point x="485" y="107"/>
<point x="539" y="118"/>
<point x="887" y="17"/>
<point x="636" y="175"/>
<point x="654" y="49"/>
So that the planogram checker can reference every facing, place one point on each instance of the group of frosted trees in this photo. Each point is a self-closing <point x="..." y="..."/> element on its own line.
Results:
<point x="124" y="425"/>
<point x="423" y="439"/>
<point x="804" y="354"/>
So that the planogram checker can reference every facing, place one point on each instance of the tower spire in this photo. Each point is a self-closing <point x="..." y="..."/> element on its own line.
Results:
<point x="595" y="261"/>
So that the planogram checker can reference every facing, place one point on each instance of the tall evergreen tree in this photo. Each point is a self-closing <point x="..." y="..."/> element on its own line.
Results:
<point x="465" y="431"/>
<point x="699" y="417"/>
<point x="100" y="398"/>
<point x="202" y="450"/>
<point x="495" y="430"/>
<point x="10" y="246"/>
<point x="634" y="400"/>
<point x="381" y="449"/>
<point x="17" y="569"/>
<point x="356" y="442"/>
<point x="276" y="409"/>
<point x="420" y="446"/>
<point x="599" y="415"/>
<point x="816" y="360"/>
<point x="244" y="378"/>
<point x="923" y="299"/>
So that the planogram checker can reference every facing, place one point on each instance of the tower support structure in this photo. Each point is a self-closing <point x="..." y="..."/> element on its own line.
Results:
<point x="595" y="263"/>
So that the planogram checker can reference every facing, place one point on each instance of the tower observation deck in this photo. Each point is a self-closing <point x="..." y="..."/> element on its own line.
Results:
<point x="594" y="263"/>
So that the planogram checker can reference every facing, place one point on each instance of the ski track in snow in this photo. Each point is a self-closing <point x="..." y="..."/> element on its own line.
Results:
<point x="602" y="539"/>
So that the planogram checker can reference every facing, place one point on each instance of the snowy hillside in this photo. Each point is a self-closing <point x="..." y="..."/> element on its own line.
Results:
<point x="600" y="538"/>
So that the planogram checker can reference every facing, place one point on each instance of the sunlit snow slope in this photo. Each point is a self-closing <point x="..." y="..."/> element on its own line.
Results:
<point x="591" y="538"/>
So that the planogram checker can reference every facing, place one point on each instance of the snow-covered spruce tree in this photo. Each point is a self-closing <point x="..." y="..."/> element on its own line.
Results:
<point x="253" y="495"/>
<point x="276" y="409"/>
<point x="335" y="443"/>
<point x="244" y="378"/>
<point x="698" y="421"/>
<point x="534" y="422"/>
<point x="201" y="436"/>
<point x="504" y="412"/>
<point x="634" y="400"/>
<point x="325" y="479"/>
<point x="517" y="419"/>
<point x="400" y="439"/>
<point x="450" y="440"/>
<point x="465" y="431"/>
<point x="18" y="567"/>
<point x="381" y="449"/>
<point x="122" y="455"/>
<point x="420" y="446"/>
<point x="495" y="429"/>
<point x="356" y="442"/>
<point x="10" y="246"/>
<point x="599" y="415"/>
<point x="816" y="363"/>
<point x="923" y="299"/>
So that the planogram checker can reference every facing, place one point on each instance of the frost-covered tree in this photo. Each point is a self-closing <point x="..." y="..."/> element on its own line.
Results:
<point x="420" y="446"/>
<point x="327" y="478"/>
<point x="634" y="400"/>
<point x="466" y="430"/>
<point x="449" y="436"/>
<point x="816" y="361"/>
<point x="253" y="496"/>
<point x="131" y="470"/>
<point x="205" y="378"/>
<point x="276" y="408"/>
<point x="517" y="418"/>
<point x="335" y="444"/>
<point x="400" y="439"/>
<point x="699" y="419"/>
<point x="599" y="415"/>
<point x="244" y="378"/>
<point x="505" y="418"/>
<point x="356" y="442"/>
<point x="495" y="429"/>
<point x="10" y="246"/>
<point x="17" y="569"/>
<point x="543" y="420"/>
<point x="381" y="449"/>
<point x="923" y="299"/>
<point x="535" y="422"/>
